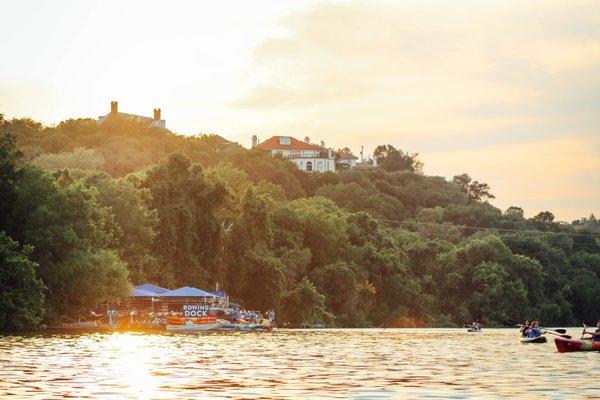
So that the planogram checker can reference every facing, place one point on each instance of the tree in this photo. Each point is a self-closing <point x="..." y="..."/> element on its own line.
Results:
<point x="21" y="291"/>
<point x="474" y="189"/>
<point x="544" y="217"/>
<point x="354" y="198"/>
<point x="91" y="280"/>
<point x="134" y="222"/>
<point x="392" y="159"/>
<point x="10" y="158"/>
<point x="304" y="305"/>
<point x="346" y="292"/>
<point x="514" y="212"/>
<point x="188" y="230"/>
<point x="262" y="280"/>
<point x="321" y="225"/>
<point x="80" y="158"/>
<point x="65" y="227"/>
<point x="251" y="232"/>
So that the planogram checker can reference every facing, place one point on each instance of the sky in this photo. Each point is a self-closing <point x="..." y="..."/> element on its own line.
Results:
<point x="507" y="91"/>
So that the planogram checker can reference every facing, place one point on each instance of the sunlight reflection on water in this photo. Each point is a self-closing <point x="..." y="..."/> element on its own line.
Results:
<point x="361" y="364"/>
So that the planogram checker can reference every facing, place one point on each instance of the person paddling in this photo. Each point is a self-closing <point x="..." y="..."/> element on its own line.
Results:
<point x="596" y="334"/>
<point x="525" y="328"/>
<point x="534" y="331"/>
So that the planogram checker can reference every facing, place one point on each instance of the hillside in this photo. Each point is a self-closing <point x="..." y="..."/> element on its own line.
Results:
<point x="391" y="247"/>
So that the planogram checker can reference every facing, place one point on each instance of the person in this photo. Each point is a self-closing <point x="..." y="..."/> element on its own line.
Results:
<point x="534" y="331"/>
<point x="235" y="315"/>
<point x="525" y="328"/>
<point x="596" y="334"/>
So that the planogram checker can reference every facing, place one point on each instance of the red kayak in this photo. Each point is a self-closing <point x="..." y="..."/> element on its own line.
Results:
<point x="567" y="345"/>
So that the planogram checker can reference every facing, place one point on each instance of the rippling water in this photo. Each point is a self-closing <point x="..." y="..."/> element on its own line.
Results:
<point x="364" y="364"/>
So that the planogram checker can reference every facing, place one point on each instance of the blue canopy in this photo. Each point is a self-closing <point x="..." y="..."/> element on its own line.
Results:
<point x="148" y="287"/>
<point x="187" y="291"/>
<point x="135" y="292"/>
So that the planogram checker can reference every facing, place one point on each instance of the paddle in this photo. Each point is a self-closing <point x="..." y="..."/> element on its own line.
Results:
<point x="556" y="334"/>
<point x="584" y="329"/>
<point x="516" y="324"/>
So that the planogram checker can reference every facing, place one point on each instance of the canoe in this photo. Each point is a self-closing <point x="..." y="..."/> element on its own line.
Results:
<point x="539" y="339"/>
<point x="568" y="345"/>
<point x="192" y="327"/>
<point x="474" y="330"/>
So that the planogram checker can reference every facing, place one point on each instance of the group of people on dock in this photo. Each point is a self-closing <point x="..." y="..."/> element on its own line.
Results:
<point x="254" y="317"/>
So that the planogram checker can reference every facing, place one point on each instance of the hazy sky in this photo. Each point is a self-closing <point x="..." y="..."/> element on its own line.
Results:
<point x="508" y="91"/>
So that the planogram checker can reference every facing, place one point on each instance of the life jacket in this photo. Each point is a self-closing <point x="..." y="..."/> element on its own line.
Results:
<point x="534" y="332"/>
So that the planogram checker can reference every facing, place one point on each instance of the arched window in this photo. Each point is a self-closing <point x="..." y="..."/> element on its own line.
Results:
<point x="320" y="166"/>
<point x="309" y="166"/>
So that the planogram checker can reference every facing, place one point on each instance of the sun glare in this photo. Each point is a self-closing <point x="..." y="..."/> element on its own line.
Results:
<point x="131" y="356"/>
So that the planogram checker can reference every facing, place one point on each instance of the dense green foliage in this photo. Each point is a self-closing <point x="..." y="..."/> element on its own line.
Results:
<point x="21" y="291"/>
<point x="117" y="204"/>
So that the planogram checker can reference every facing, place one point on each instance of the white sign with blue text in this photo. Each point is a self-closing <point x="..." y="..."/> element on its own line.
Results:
<point x="195" y="310"/>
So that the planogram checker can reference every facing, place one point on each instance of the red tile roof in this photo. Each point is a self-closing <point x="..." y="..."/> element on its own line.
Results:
<point x="295" y="144"/>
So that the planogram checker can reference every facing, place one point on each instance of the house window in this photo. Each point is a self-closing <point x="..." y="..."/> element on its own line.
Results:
<point x="284" y="140"/>
<point x="309" y="166"/>
<point x="301" y="164"/>
<point x="320" y="166"/>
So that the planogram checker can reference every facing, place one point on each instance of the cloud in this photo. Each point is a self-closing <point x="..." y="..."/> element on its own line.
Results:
<point x="483" y="80"/>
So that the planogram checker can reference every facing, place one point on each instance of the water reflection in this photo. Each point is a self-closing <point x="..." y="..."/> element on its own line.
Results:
<point x="380" y="364"/>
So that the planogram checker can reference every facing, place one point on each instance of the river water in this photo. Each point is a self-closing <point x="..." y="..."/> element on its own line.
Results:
<point x="360" y="364"/>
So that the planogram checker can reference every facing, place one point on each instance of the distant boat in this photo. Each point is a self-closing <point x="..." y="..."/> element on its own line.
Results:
<point x="474" y="330"/>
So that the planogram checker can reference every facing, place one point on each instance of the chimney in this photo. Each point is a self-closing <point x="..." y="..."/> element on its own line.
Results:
<point x="114" y="107"/>
<point x="322" y="144"/>
<point x="254" y="141"/>
<point x="307" y="139"/>
<point x="157" y="114"/>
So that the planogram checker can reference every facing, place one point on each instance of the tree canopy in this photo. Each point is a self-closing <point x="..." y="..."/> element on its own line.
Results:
<point x="87" y="209"/>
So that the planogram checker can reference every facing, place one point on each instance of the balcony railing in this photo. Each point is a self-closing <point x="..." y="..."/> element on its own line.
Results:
<point x="321" y="154"/>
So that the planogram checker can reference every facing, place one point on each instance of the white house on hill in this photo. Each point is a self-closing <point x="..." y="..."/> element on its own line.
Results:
<point x="307" y="156"/>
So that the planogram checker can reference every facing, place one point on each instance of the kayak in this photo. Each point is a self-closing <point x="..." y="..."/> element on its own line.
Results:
<point x="568" y="345"/>
<point x="539" y="339"/>
<point x="474" y="330"/>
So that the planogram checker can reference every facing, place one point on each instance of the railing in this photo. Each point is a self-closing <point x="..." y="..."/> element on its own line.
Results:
<point x="321" y="154"/>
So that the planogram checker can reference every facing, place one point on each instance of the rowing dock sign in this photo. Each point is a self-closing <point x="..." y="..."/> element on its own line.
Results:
<point x="195" y="310"/>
